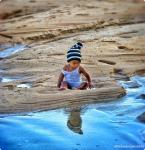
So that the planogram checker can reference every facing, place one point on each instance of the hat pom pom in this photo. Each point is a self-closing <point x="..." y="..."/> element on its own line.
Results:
<point x="80" y="44"/>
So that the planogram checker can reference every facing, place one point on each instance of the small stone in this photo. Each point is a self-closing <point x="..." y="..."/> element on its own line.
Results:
<point x="141" y="117"/>
<point x="142" y="96"/>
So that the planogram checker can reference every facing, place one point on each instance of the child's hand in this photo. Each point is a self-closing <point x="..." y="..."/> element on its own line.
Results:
<point x="90" y="85"/>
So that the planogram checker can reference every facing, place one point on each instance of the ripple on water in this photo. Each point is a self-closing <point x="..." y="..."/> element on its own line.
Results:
<point x="12" y="50"/>
<point x="100" y="126"/>
<point x="9" y="79"/>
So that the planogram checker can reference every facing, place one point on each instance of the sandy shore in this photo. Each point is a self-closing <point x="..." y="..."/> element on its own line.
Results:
<point x="113" y="34"/>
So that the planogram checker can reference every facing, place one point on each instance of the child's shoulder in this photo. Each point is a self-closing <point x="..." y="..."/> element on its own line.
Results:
<point x="65" y="67"/>
<point x="81" y="67"/>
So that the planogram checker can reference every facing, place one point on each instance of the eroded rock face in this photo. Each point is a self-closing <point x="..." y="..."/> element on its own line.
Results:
<point x="113" y="35"/>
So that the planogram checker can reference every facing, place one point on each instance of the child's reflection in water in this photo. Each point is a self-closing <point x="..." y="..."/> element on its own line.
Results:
<point x="74" y="122"/>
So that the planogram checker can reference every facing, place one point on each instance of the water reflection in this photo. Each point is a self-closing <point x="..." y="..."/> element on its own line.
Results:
<point x="74" y="122"/>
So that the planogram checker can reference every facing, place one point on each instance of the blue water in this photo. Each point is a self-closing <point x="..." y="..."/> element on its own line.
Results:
<point x="101" y="126"/>
<point x="11" y="50"/>
<point x="10" y="78"/>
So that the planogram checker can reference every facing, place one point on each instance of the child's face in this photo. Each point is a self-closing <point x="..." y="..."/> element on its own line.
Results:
<point x="74" y="63"/>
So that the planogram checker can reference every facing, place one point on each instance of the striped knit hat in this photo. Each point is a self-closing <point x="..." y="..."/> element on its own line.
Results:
<point x="74" y="52"/>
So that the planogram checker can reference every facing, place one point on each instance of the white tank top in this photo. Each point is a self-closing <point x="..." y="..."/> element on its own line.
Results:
<point x="73" y="78"/>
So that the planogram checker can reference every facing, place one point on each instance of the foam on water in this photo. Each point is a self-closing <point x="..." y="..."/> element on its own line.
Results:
<point x="102" y="126"/>
<point x="24" y="85"/>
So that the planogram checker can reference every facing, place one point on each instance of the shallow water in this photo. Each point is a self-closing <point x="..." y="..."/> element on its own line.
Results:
<point x="24" y="85"/>
<point x="9" y="78"/>
<point x="7" y="51"/>
<point x="11" y="50"/>
<point x="101" y="126"/>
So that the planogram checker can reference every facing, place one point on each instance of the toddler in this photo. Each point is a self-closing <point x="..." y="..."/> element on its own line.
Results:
<point x="70" y="76"/>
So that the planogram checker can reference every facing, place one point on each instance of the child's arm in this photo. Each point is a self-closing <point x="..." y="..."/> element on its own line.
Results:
<point x="60" y="79"/>
<point x="86" y="74"/>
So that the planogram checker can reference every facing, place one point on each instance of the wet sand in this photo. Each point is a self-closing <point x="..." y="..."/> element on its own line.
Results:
<point x="113" y="34"/>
